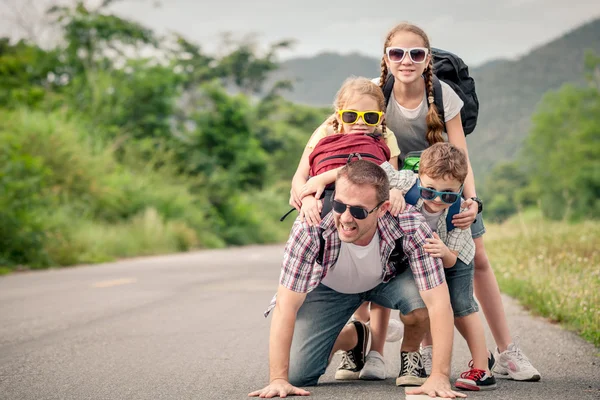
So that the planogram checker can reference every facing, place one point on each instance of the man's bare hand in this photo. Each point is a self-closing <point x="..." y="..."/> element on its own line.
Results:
<point x="436" y="385"/>
<point x="279" y="388"/>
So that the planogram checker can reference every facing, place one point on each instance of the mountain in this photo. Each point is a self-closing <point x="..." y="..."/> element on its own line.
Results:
<point x="317" y="79"/>
<point x="508" y="90"/>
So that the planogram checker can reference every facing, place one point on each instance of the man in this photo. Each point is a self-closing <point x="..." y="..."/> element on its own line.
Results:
<point x="319" y="291"/>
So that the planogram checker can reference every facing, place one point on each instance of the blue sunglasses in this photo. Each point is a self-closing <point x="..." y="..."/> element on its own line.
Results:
<point x="446" y="197"/>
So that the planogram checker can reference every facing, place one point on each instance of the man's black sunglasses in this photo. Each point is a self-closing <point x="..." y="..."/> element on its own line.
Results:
<point x="356" y="211"/>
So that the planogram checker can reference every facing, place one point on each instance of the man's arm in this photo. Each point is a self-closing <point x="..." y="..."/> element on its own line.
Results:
<point x="280" y="341"/>
<point x="430" y="279"/>
<point x="441" y="320"/>
<point x="282" y="330"/>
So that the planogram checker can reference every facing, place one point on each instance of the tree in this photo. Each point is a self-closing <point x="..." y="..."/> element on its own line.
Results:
<point x="563" y="149"/>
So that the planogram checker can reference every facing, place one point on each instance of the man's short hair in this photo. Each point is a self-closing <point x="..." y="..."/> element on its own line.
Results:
<point x="367" y="173"/>
<point x="444" y="160"/>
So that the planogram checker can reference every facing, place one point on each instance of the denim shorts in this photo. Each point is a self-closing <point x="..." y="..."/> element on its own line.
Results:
<point x="324" y="313"/>
<point x="477" y="228"/>
<point x="460" y="286"/>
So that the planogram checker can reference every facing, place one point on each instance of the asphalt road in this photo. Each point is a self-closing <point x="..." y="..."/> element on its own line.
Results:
<point x="190" y="326"/>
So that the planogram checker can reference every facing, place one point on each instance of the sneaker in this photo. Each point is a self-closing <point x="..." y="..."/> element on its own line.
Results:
<point x="374" y="369"/>
<point x="353" y="360"/>
<point x="395" y="331"/>
<point x="426" y="355"/>
<point x="476" y="379"/>
<point x="491" y="362"/>
<point x="514" y="362"/>
<point x="412" y="372"/>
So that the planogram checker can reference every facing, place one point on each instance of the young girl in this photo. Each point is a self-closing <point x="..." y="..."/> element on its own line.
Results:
<point x="357" y="94"/>
<point x="359" y="106"/>
<point x="414" y="118"/>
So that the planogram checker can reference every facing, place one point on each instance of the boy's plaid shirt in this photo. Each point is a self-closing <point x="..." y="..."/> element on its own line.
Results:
<point x="459" y="240"/>
<point x="301" y="273"/>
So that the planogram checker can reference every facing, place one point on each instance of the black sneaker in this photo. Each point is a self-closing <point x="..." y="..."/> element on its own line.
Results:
<point x="476" y="379"/>
<point x="412" y="371"/>
<point x="354" y="360"/>
<point x="491" y="362"/>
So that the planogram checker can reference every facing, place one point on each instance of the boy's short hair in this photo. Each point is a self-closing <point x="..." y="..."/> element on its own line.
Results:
<point x="362" y="172"/>
<point x="443" y="160"/>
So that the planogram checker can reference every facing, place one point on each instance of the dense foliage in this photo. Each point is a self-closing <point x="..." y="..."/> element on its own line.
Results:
<point x="105" y="153"/>
<point x="558" y="168"/>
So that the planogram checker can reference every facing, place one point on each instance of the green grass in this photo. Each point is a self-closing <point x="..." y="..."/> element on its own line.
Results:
<point x="552" y="268"/>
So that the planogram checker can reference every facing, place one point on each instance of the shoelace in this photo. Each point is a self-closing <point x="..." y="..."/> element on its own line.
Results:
<point x="347" y="361"/>
<point x="473" y="374"/>
<point x="517" y="351"/>
<point x="412" y="363"/>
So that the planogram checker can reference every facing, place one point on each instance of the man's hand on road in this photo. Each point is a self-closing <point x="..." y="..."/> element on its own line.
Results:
<point x="437" y="385"/>
<point x="279" y="388"/>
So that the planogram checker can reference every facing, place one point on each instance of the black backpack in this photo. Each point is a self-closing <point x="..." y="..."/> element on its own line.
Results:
<point x="451" y="69"/>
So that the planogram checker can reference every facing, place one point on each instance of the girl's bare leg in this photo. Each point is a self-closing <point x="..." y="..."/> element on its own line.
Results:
<point x="488" y="295"/>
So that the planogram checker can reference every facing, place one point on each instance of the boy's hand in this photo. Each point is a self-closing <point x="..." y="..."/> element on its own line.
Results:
<point x="310" y="212"/>
<point x="435" y="247"/>
<point x="397" y="202"/>
<point x="465" y="219"/>
<point x="279" y="388"/>
<point x="313" y="185"/>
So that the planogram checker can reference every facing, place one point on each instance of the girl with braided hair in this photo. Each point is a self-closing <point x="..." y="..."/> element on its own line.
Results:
<point x="413" y="116"/>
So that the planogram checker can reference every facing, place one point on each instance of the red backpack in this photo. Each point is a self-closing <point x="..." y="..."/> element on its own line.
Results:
<point x="336" y="150"/>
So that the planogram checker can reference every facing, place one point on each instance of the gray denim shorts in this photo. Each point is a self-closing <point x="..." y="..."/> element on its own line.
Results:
<point x="460" y="286"/>
<point x="477" y="228"/>
<point x="325" y="312"/>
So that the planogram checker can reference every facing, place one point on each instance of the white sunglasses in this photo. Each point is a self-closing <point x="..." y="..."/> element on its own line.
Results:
<point x="418" y="55"/>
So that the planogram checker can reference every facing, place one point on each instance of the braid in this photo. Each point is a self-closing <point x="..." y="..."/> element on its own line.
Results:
<point x="434" y="124"/>
<point x="384" y="73"/>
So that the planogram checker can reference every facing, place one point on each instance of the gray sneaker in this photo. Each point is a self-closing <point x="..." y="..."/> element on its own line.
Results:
<point x="374" y="369"/>
<point x="514" y="363"/>
<point x="426" y="355"/>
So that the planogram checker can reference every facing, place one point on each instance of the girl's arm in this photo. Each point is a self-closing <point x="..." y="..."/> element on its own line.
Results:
<point x="301" y="175"/>
<point x="456" y="136"/>
<point x="317" y="184"/>
<point x="300" y="178"/>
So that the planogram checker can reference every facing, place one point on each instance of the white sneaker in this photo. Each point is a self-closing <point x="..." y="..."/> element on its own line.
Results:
<point x="514" y="362"/>
<point x="427" y="357"/>
<point x="374" y="368"/>
<point x="395" y="331"/>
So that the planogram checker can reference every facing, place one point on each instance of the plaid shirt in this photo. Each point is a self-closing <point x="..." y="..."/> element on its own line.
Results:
<point x="301" y="273"/>
<point x="458" y="240"/>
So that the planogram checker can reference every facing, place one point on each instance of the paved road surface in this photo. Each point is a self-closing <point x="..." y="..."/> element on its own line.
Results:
<point x="190" y="327"/>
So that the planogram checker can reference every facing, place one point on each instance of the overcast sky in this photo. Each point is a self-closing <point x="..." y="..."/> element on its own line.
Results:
<point x="478" y="30"/>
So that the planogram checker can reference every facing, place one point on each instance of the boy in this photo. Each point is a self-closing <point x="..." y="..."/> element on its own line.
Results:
<point x="442" y="172"/>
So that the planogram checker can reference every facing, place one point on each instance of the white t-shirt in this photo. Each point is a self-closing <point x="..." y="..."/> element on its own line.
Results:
<point x="358" y="268"/>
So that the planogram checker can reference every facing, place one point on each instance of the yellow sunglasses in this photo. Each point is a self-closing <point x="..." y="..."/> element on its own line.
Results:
<point x="371" y="118"/>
